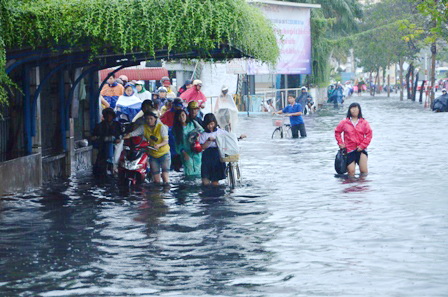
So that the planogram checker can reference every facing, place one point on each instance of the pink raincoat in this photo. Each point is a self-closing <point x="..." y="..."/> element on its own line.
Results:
<point x="193" y="95"/>
<point x="354" y="136"/>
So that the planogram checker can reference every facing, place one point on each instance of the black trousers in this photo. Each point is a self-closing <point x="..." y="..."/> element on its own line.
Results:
<point x="295" y="130"/>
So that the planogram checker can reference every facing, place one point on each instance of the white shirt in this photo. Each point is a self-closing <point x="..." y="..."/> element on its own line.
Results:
<point x="205" y="135"/>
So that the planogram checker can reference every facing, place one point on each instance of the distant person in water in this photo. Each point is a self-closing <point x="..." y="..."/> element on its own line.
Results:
<point x="356" y="137"/>
<point x="294" y="111"/>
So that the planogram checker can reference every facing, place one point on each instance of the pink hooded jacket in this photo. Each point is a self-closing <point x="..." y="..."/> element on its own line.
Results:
<point x="359" y="136"/>
<point x="193" y="95"/>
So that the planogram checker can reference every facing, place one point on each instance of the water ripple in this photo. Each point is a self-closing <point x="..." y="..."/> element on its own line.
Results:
<point x="292" y="228"/>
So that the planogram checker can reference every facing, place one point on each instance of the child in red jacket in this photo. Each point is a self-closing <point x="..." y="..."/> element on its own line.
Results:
<point x="357" y="137"/>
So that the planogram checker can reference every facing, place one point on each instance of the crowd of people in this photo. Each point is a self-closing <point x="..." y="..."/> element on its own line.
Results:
<point x="181" y="136"/>
<point x="178" y="134"/>
<point x="338" y="93"/>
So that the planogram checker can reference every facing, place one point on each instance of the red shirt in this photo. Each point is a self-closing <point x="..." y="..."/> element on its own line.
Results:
<point x="354" y="136"/>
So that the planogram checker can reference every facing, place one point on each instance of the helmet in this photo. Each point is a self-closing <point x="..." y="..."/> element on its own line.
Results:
<point x="140" y="82"/>
<point x="150" y="113"/>
<point x="188" y="82"/>
<point x="147" y="102"/>
<point x="197" y="82"/>
<point x="193" y="105"/>
<point x="304" y="88"/>
<point x="196" y="147"/>
<point x="444" y="90"/>
<point x="165" y="78"/>
<point x="107" y="111"/>
<point x="162" y="89"/>
<point x="123" y="77"/>
<point x="178" y="102"/>
<point x="224" y="87"/>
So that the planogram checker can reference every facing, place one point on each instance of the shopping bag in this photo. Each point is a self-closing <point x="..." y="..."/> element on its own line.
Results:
<point x="227" y="145"/>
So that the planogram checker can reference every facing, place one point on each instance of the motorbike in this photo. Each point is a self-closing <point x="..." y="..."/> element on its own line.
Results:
<point x="133" y="163"/>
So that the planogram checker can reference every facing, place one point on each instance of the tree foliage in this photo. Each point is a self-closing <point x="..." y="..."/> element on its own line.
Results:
<point x="436" y="12"/>
<point x="135" y="25"/>
<point x="384" y="35"/>
<point x="335" y="20"/>
<point x="343" y="16"/>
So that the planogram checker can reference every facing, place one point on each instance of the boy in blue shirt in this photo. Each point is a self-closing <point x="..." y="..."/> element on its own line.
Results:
<point x="294" y="112"/>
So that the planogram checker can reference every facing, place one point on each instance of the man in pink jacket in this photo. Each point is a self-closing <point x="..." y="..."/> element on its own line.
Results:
<point x="356" y="139"/>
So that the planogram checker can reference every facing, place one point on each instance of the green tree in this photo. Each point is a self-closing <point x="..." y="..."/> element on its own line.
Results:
<point x="136" y="25"/>
<point x="336" y="19"/>
<point x="433" y="29"/>
<point x="382" y="40"/>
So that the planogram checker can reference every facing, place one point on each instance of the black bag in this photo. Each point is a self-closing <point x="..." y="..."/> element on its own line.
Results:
<point x="340" y="162"/>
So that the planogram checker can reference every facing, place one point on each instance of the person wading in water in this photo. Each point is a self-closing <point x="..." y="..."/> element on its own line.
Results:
<point x="357" y="137"/>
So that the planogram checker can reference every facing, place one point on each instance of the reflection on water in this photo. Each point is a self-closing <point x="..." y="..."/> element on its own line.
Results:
<point x="354" y="184"/>
<point x="292" y="228"/>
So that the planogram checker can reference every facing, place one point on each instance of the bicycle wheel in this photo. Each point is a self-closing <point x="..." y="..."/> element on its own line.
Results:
<point x="231" y="175"/>
<point x="278" y="133"/>
<point x="287" y="133"/>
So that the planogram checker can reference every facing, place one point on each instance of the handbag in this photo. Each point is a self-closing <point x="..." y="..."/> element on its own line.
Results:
<point x="340" y="162"/>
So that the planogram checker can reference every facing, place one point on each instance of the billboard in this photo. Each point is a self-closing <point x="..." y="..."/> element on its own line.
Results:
<point x="293" y="30"/>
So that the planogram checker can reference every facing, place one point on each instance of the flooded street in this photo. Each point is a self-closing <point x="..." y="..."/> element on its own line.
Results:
<point x="290" y="229"/>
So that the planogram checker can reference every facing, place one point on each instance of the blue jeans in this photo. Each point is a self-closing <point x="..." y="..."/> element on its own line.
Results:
<point x="163" y="163"/>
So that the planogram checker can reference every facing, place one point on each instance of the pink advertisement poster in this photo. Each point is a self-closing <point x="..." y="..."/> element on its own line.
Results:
<point x="292" y="25"/>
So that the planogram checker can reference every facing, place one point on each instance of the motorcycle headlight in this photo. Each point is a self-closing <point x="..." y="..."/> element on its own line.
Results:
<point x="132" y="165"/>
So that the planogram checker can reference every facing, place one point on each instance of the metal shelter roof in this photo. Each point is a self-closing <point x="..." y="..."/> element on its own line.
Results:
<point x="150" y="73"/>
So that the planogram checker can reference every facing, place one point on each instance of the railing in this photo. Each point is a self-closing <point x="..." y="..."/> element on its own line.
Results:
<point x="257" y="102"/>
<point x="254" y="103"/>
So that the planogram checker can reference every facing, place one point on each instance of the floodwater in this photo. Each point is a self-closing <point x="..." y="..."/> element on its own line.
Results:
<point x="290" y="229"/>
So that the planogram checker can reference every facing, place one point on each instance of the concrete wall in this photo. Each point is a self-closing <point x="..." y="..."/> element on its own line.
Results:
<point x="53" y="167"/>
<point x="21" y="174"/>
<point x="82" y="159"/>
<point x="319" y="95"/>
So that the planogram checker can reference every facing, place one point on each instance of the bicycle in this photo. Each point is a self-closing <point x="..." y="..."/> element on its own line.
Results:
<point x="282" y="130"/>
<point x="233" y="172"/>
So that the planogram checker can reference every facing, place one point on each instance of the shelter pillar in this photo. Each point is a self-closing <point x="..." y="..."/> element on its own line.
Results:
<point x="37" y="135"/>
<point x="27" y="109"/>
